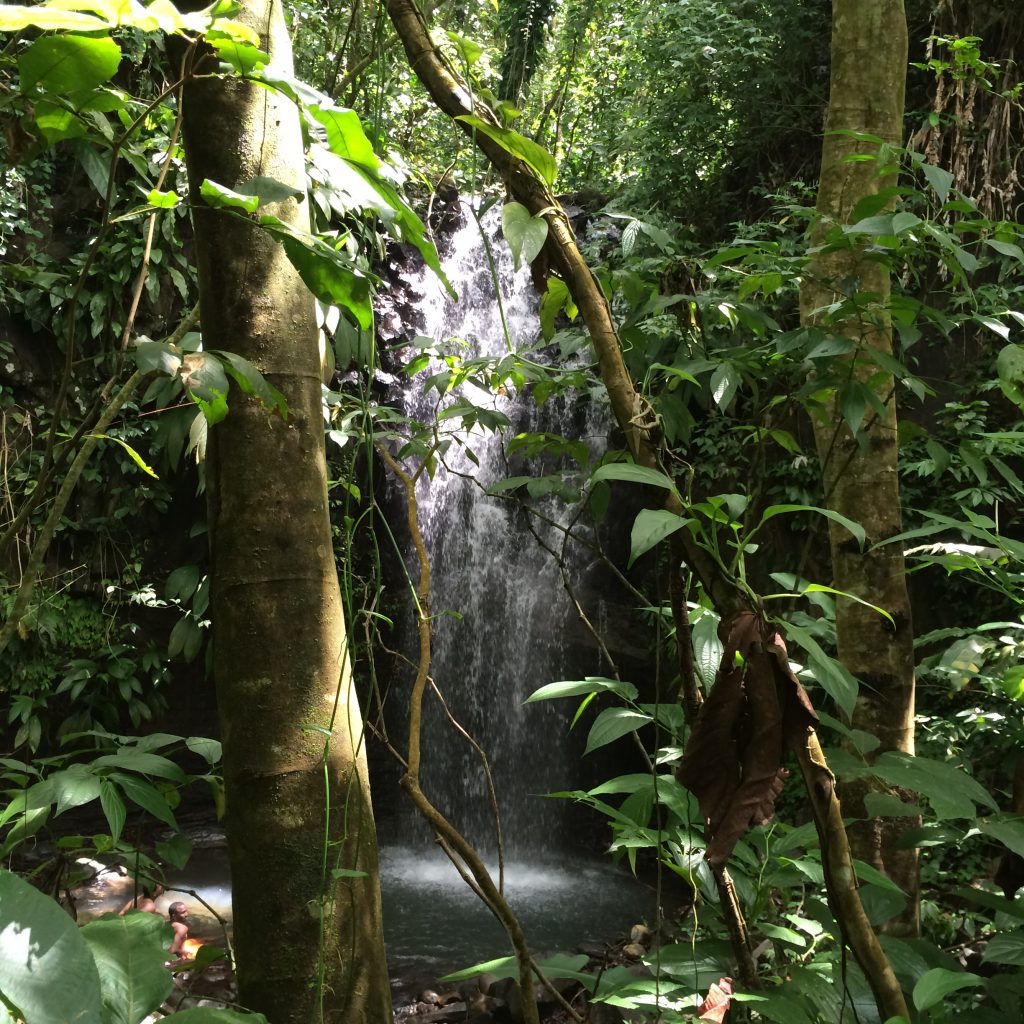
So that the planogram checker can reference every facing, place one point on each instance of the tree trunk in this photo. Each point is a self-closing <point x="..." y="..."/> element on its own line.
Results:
<point x="869" y="58"/>
<point x="309" y="944"/>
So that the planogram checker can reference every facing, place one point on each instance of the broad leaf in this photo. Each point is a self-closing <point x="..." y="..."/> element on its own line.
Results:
<point x="612" y="724"/>
<point x="345" y="135"/>
<point x="855" y="528"/>
<point x="650" y="527"/>
<point x="938" y="983"/>
<point x="1007" y="948"/>
<point x="633" y="473"/>
<point x="69" y="64"/>
<point x="221" y="197"/>
<point x="518" y="145"/>
<point x="582" y="687"/>
<point x="130" y="953"/>
<point x="46" y="969"/>
<point x="951" y="791"/>
<point x="524" y="233"/>
<point x="50" y="19"/>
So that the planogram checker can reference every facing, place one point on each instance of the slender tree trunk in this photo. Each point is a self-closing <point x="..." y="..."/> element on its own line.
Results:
<point x="309" y="944"/>
<point x="869" y="59"/>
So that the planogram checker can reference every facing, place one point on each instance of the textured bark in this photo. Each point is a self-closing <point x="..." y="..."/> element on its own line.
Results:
<point x="869" y="56"/>
<point x="309" y="946"/>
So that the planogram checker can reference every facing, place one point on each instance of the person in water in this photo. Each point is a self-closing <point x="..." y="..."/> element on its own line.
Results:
<point x="145" y="901"/>
<point x="177" y="914"/>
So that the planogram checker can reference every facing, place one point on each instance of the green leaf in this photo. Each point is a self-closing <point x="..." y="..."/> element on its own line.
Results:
<point x="50" y="19"/>
<point x="524" y="233"/>
<point x="782" y="934"/>
<point x="176" y="851"/>
<point x="133" y="454"/>
<point x="581" y="687"/>
<point x="504" y="966"/>
<point x="130" y="953"/>
<point x="611" y="724"/>
<point x="214" y="1015"/>
<point x="650" y="527"/>
<point x="345" y="135"/>
<point x="938" y="983"/>
<point x="632" y="473"/>
<point x="555" y="298"/>
<point x="855" y="528"/>
<point x="866" y="873"/>
<point x="327" y="272"/>
<point x="113" y="808"/>
<point x="144" y="763"/>
<point x="951" y="792"/>
<point x="221" y="197"/>
<point x="68" y="64"/>
<point x="73" y="787"/>
<point x="831" y="675"/>
<point x="1010" y="364"/>
<point x="157" y="357"/>
<point x="148" y="797"/>
<point x="46" y="969"/>
<point x="270" y="190"/>
<point x="529" y="152"/>
<point x="1007" y="948"/>
<point x="1008" y="830"/>
<point x="939" y="178"/>
<point x="205" y="748"/>
<point x="242" y="56"/>
<point x="162" y="200"/>
<point x="252" y="382"/>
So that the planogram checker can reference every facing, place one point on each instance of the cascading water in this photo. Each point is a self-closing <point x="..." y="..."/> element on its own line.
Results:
<point x="503" y="626"/>
<point x="503" y="620"/>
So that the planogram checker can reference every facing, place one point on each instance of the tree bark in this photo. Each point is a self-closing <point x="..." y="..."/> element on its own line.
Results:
<point x="869" y="59"/>
<point x="309" y="944"/>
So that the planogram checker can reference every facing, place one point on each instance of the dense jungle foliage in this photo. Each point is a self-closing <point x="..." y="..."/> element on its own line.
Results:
<point x="684" y="142"/>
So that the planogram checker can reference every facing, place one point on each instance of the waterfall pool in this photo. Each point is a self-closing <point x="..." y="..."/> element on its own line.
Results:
<point x="433" y="923"/>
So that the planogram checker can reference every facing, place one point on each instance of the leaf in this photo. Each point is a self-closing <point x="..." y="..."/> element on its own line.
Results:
<point x="134" y="455"/>
<point x="612" y="724"/>
<point x="270" y="190"/>
<point x="74" y="787"/>
<point x="632" y="473"/>
<point x="831" y="675"/>
<point x="148" y="797"/>
<point x="938" y="983"/>
<point x="502" y="967"/>
<point x="855" y="528"/>
<point x="215" y="1015"/>
<point x="582" y="687"/>
<point x="345" y="135"/>
<point x="1005" y="949"/>
<point x="144" y="763"/>
<point x="554" y="299"/>
<point x="68" y="64"/>
<point x="46" y="969"/>
<point x="206" y="748"/>
<point x="1008" y="830"/>
<point x="519" y="146"/>
<point x="939" y="178"/>
<point x="650" y="527"/>
<point x="951" y="791"/>
<point x="157" y="357"/>
<point x="252" y="382"/>
<point x="242" y="56"/>
<point x="130" y="953"/>
<point x="524" y="233"/>
<point x="176" y="851"/>
<point x="1010" y="364"/>
<point x="113" y="808"/>
<point x="221" y="197"/>
<point x="50" y="19"/>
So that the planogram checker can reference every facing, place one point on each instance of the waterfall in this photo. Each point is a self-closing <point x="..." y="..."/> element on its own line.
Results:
<point x="503" y="623"/>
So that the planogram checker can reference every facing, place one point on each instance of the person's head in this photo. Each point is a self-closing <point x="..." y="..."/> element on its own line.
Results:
<point x="177" y="911"/>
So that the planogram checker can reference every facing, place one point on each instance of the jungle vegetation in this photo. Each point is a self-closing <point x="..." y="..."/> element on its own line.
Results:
<point x="781" y="244"/>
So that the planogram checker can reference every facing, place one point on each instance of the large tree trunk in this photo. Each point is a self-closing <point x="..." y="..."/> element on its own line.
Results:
<point x="869" y="59"/>
<point x="309" y="945"/>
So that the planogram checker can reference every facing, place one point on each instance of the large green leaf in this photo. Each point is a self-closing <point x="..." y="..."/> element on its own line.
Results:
<point x="214" y="1015"/>
<point x="951" y="791"/>
<point x="345" y="135"/>
<point x="142" y="762"/>
<point x="130" y="953"/>
<point x="518" y="145"/>
<point x="46" y="969"/>
<point x="831" y="675"/>
<point x="855" y="528"/>
<point x="524" y="233"/>
<point x="1007" y="948"/>
<point x="1008" y="830"/>
<point x="650" y="527"/>
<point x="613" y="723"/>
<point x="938" y="983"/>
<point x="582" y="687"/>
<point x="17" y="17"/>
<point x="69" y="64"/>
<point x="633" y="473"/>
<point x="75" y="786"/>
